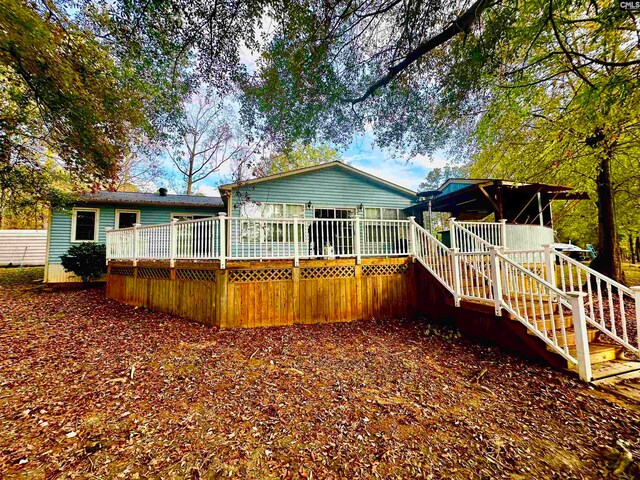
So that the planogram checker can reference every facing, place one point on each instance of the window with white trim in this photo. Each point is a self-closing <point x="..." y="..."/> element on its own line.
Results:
<point x="271" y="232"/>
<point x="84" y="224"/>
<point x="127" y="218"/>
<point x="378" y="231"/>
<point x="384" y="213"/>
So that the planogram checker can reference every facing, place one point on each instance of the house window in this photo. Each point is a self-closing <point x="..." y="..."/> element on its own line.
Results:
<point x="380" y="231"/>
<point x="127" y="218"/>
<point x="84" y="224"/>
<point x="188" y="216"/>
<point x="384" y="213"/>
<point x="271" y="210"/>
<point x="272" y="232"/>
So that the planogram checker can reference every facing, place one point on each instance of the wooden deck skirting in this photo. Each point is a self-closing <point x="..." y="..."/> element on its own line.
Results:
<point x="269" y="293"/>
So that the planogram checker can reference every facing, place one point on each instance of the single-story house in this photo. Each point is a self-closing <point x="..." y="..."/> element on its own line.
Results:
<point x="329" y="191"/>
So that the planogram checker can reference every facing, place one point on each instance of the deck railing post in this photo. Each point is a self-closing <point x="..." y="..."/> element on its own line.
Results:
<point x="580" y="329"/>
<point x="109" y="245"/>
<point x="173" y="242"/>
<point x="452" y="232"/>
<point x="496" y="280"/>
<point x="296" y="252"/>
<point x="135" y="237"/>
<point x="549" y="265"/>
<point x="455" y="261"/>
<point x="357" y="239"/>
<point x="412" y="237"/>
<point x="503" y="233"/>
<point x="636" y="296"/>
<point x="223" y="240"/>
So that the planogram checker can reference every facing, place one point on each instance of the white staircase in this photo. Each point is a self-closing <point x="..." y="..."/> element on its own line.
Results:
<point x="591" y="321"/>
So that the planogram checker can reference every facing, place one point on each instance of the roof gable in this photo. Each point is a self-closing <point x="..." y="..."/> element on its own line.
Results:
<point x="307" y="170"/>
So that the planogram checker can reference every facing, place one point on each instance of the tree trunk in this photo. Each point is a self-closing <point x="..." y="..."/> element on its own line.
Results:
<point x="190" y="175"/>
<point x="609" y="259"/>
<point x="638" y="249"/>
<point x="632" y="253"/>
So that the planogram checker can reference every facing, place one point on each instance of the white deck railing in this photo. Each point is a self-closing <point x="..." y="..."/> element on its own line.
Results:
<point x="545" y="290"/>
<point x="611" y="307"/>
<point x="221" y="238"/>
<point x="493" y="277"/>
<point x="476" y="236"/>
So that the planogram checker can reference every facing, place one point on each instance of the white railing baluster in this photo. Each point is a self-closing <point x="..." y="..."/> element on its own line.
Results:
<point x="576" y="300"/>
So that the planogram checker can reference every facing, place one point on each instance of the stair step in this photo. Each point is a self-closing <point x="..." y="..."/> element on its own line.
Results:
<point x="599" y="353"/>
<point x="601" y="371"/>
<point x="592" y="333"/>
<point x="547" y="324"/>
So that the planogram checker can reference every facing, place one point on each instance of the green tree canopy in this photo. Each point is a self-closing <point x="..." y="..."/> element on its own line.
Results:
<point x="299" y="155"/>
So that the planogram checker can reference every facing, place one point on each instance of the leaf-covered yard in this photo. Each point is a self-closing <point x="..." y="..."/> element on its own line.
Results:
<point x="90" y="388"/>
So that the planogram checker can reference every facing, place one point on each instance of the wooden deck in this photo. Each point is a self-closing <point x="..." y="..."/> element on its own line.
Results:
<point x="268" y="293"/>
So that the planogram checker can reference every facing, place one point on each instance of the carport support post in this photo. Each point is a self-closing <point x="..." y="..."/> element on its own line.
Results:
<point x="173" y="243"/>
<point x="580" y="328"/>
<point x="223" y="240"/>
<point x="136" y="234"/>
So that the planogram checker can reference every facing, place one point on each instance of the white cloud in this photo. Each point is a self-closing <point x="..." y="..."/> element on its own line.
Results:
<point x="208" y="190"/>
<point x="403" y="175"/>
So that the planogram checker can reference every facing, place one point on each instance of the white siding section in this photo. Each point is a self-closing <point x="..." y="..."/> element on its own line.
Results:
<point x="23" y="247"/>
<point x="528" y="237"/>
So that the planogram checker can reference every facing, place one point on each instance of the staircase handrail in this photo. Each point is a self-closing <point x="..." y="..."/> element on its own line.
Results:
<point x="615" y="313"/>
<point x="457" y="226"/>
<point x="553" y="294"/>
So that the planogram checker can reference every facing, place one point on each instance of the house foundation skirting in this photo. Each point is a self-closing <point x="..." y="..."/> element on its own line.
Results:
<point x="269" y="293"/>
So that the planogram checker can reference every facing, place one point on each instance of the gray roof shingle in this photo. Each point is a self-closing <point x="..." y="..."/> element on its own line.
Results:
<point x="135" y="198"/>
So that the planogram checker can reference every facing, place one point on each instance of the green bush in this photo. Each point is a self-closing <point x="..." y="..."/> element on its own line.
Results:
<point x="87" y="260"/>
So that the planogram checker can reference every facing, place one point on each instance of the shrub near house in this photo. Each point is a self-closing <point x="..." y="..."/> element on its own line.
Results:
<point x="86" y="260"/>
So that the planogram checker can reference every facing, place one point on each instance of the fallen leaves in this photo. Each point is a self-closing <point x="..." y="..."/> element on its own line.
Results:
<point x="93" y="388"/>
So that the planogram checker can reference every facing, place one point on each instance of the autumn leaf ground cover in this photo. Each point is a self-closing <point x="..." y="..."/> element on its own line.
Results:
<point x="90" y="388"/>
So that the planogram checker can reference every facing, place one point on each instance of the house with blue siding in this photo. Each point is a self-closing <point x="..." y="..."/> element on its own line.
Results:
<point x="333" y="190"/>
<point x="89" y="218"/>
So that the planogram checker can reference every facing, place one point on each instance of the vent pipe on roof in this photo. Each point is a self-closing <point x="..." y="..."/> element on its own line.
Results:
<point x="162" y="192"/>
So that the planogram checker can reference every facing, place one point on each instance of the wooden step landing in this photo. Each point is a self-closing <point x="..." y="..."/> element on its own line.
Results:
<point x="612" y="368"/>
<point x="625" y="385"/>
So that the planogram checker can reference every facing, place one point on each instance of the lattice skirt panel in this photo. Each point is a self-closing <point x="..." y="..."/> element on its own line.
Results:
<point x="148" y="272"/>
<point x="122" y="271"/>
<point x="390" y="269"/>
<point x="195" y="275"/>
<point x="328" y="272"/>
<point x="260" y="275"/>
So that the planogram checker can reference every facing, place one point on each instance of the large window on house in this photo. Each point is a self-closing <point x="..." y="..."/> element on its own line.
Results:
<point x="380" y="232"/>
<point x="127" y="218"/>
<point x="270" y="232"/>
<point x="84" y="224"/>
